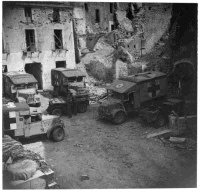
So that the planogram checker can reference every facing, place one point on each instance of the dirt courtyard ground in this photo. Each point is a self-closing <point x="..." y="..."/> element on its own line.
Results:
<point x="99" y="155"/>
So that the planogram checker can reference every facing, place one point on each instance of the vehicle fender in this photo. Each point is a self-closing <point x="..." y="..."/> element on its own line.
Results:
<point x="21" y="100"/>
<point x="49" y="131"/>
<point x="113" y="112"/>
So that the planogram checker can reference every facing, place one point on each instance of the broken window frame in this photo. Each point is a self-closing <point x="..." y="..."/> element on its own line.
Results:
<point x="56" y="15"/>
<point x="30" y="40"/>
<point x="58" y="40"/>
<point x="97" y="15"/>
<point x="28" y="14"/>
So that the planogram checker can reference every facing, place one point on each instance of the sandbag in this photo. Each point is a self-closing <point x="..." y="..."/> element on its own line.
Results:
<point x="11" y="147"/>
<point x="22" y="169"/>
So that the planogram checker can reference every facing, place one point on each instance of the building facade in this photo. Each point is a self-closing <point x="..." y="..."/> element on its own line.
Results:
<point x="38" y="36"/>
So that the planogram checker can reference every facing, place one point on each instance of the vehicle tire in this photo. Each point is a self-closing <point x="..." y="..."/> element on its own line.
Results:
<point x="57" y="112"/>
<point x="160" y="121"/>
<point x="119" y="117"/>
<point x="58" y="134"/>
<point x="82" y="108"/>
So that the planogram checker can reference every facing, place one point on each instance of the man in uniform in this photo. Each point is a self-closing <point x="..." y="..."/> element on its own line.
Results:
<point x="74" y="101"/>
<point x="69" y="104"/>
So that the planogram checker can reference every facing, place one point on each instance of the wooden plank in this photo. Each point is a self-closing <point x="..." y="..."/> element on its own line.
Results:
<point x="163" y="133"/>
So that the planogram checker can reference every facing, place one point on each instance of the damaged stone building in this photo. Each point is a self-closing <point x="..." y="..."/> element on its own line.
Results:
<point x="38" y="36"/>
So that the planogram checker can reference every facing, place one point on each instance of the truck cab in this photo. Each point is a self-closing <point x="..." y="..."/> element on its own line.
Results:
<point x="21" y="87"/>
<point x="19" y="120"/>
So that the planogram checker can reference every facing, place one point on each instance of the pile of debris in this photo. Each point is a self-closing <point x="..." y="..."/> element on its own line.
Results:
<point x="178" y="128"/>
<point x="97" y="91"/>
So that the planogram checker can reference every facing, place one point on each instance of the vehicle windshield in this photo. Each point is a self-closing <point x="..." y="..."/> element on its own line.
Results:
<point x="27" y="86"/>
<point x="115" y="95"/>
<point x="75" y="79"/>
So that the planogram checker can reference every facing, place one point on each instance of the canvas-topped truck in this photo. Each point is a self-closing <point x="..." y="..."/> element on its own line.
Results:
<point x="20" y="120"/>
<point x="145" y="93"/>
<point x="63" y="80"/>
<point x="21" y="87"/>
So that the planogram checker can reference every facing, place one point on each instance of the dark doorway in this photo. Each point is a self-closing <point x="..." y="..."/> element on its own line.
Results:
<point x="60" y="64"/>
<point x="36" y="70"/>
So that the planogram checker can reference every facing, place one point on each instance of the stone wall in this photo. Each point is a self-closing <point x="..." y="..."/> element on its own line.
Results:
<point x="14" y="26"/>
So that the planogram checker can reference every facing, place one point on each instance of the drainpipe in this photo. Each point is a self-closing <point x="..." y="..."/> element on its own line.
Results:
<point x="77" y="56"/>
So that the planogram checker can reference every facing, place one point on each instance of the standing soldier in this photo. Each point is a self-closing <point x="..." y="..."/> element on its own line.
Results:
<point x="69" y="104"/>
<point x="74" y="101"/>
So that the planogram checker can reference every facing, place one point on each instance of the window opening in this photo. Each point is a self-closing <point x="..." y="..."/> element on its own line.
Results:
<point x="58" y="39"/>
<point x="28" y="14"/>
<point x="97" y="16"/>
<point x="4" y="70"/>
<point x="112" y="27"/>
<point x="56" y="15"/>
<point x="86" y="7"/>
<point x="60" y="64"/>
<point x="30" y="40"/>
<point x="111" y="7"/>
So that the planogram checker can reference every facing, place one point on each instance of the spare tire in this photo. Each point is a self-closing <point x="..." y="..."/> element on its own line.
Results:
<point x="22" y="170"/>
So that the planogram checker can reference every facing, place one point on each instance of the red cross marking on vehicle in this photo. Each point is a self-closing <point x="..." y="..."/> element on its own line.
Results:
<point x="153" y="88"/>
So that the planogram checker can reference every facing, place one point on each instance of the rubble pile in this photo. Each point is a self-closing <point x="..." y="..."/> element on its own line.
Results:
<point x="99" y="62"/>
<point x="96" y="92"/>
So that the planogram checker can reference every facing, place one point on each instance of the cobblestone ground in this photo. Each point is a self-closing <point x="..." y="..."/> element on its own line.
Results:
<point x="99" y="155"/>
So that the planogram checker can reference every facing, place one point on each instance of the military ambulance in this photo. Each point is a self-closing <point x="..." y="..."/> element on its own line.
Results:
<point x="21" y="87"/>
<point x="144" y="92"/>
<point x="63" y="80"/>
<point x="19" y="120"/>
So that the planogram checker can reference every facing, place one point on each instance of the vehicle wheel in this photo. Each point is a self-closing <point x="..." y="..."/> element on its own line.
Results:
<point x="58" y="134"/>
<point x="82" y="108"/>
<point x="119" y="117"/>
<point x="160" y="121"/>
<point x="57" y="112"/>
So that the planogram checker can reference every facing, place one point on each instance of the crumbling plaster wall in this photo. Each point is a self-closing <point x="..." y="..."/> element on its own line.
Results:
<point x="145" y="29"/>
<point x="14" y="25"/>
<point x="105" y="17"/>
<point x="140" y="34"/>
<point x="156" y="24"/>
<point x="80" y="25"/>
